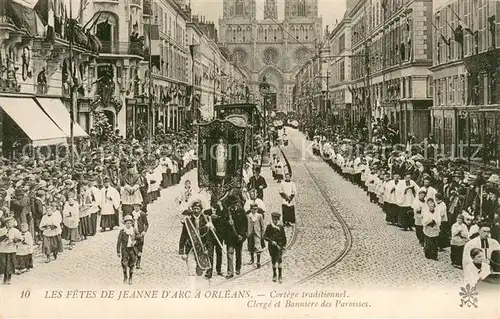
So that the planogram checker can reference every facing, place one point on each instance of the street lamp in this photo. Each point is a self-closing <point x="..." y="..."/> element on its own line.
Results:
<point x="265" y="91"/>
<point x="193" y="50"/>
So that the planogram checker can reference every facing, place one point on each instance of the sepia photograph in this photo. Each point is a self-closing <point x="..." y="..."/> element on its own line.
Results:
<point x="249" y="159"/>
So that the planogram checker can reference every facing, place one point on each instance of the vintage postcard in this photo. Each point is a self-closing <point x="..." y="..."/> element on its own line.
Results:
<point x="249" y="159"/>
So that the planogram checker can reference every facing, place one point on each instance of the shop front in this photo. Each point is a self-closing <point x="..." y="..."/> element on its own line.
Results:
<point x="19" y="130"/>
<point x="413" y="118"/>
<point x="137" y="116"/>
<point x="470" y="133"/>
<point x="482" y="127"/>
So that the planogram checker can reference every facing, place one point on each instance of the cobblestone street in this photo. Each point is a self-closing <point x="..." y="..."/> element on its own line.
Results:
<point x="380" y="254"/>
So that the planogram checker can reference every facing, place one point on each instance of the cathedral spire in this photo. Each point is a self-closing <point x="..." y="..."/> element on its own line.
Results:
<point x="271" y="10"/>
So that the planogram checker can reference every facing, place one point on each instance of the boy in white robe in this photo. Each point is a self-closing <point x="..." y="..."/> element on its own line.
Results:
<point x="418" y="205"/>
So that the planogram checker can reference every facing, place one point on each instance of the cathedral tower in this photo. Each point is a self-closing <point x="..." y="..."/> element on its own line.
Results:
<point x="271" y="10"/>
<point x="274" y="47"/>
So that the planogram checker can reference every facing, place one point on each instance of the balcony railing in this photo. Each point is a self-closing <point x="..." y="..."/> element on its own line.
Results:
<point x="122" y="48"/>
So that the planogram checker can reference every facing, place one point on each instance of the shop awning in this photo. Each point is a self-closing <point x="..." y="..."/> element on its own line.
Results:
<point x="56" y="110"/>
<point x="39" y="128"/>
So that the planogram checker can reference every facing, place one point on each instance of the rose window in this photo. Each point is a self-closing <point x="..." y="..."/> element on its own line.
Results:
<point x="271" y="56"/>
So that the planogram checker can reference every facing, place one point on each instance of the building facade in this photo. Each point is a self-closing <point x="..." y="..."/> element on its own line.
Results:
<point x="381" y="52"/>
<point x="466" y="113"/>
<point x="169" y="62"/>
<point x="274" y="47"/>
<point x="119" y="27"/>
<point x="392" y="51"/>
<point x="217" y="80"/>
<point x="339" y="72"/>
<point x="38" y="71"/>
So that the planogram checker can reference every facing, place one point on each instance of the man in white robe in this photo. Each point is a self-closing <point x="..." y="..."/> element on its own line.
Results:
<point x="405" y="194"/>
<point x="391" y="198"/>
<point x="430" y="192"/>
<point x="109" y="205"/>
<point x="482" y="241"/>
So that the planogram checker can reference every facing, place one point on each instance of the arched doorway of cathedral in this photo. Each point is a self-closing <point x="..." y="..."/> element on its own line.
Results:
<point x="274" y="76"/>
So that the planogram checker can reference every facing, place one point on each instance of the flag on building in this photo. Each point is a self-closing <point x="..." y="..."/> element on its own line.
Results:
<point x="22" y="17"/>
<point x="45" y="10"/>
<point x="152" y="43"/>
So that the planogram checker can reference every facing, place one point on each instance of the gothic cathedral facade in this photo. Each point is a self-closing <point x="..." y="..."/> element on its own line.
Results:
<point x="274" y="47"/>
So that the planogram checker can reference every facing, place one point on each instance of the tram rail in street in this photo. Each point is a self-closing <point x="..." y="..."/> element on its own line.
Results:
<point x="334" y="215"/>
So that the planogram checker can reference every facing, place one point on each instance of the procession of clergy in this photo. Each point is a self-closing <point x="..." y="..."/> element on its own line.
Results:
<point x="220" y="227"/>
<point x="46" y="201"/>
<point x="446" y="207"/>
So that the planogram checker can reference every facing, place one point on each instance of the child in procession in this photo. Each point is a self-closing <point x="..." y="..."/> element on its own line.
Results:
<point x="126" y="248"/>
<point x="71" y="219"/>
<point x="255" y="233"/>
<point x="50" y="225"/>
<point x="141" y="226"/>
<point x="24" y="253"/>
<point x="417" y="205"/>
<point x="152" y="184"/>
<point x="459" y="237"/>
<point x="278" y="167"/>
<point x="276" y="239"/>
<point x="9" y="237"/>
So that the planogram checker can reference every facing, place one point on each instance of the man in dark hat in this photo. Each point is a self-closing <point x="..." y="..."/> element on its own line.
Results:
<point x="235" y="234"/>
<point x="218" y="216"/>
<point x="491" y="207"/>
<point x="195" y="242"/>
<point x="20" y="206"/>
<point x="37" y="211"/>
<point x="257" y="182"/>
<point x="276" y="240"/>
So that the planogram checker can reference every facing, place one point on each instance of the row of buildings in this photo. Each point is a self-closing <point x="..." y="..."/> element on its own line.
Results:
<point x="122" y="54"/>
<point x="428" y="68"/>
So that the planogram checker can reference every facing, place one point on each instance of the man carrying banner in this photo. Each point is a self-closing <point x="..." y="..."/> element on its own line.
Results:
<point x="195" y="241"/>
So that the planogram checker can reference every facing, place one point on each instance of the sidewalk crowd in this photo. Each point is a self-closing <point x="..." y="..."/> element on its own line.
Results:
<point x="453" y="211"/>
<point x="45" y="203"/>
